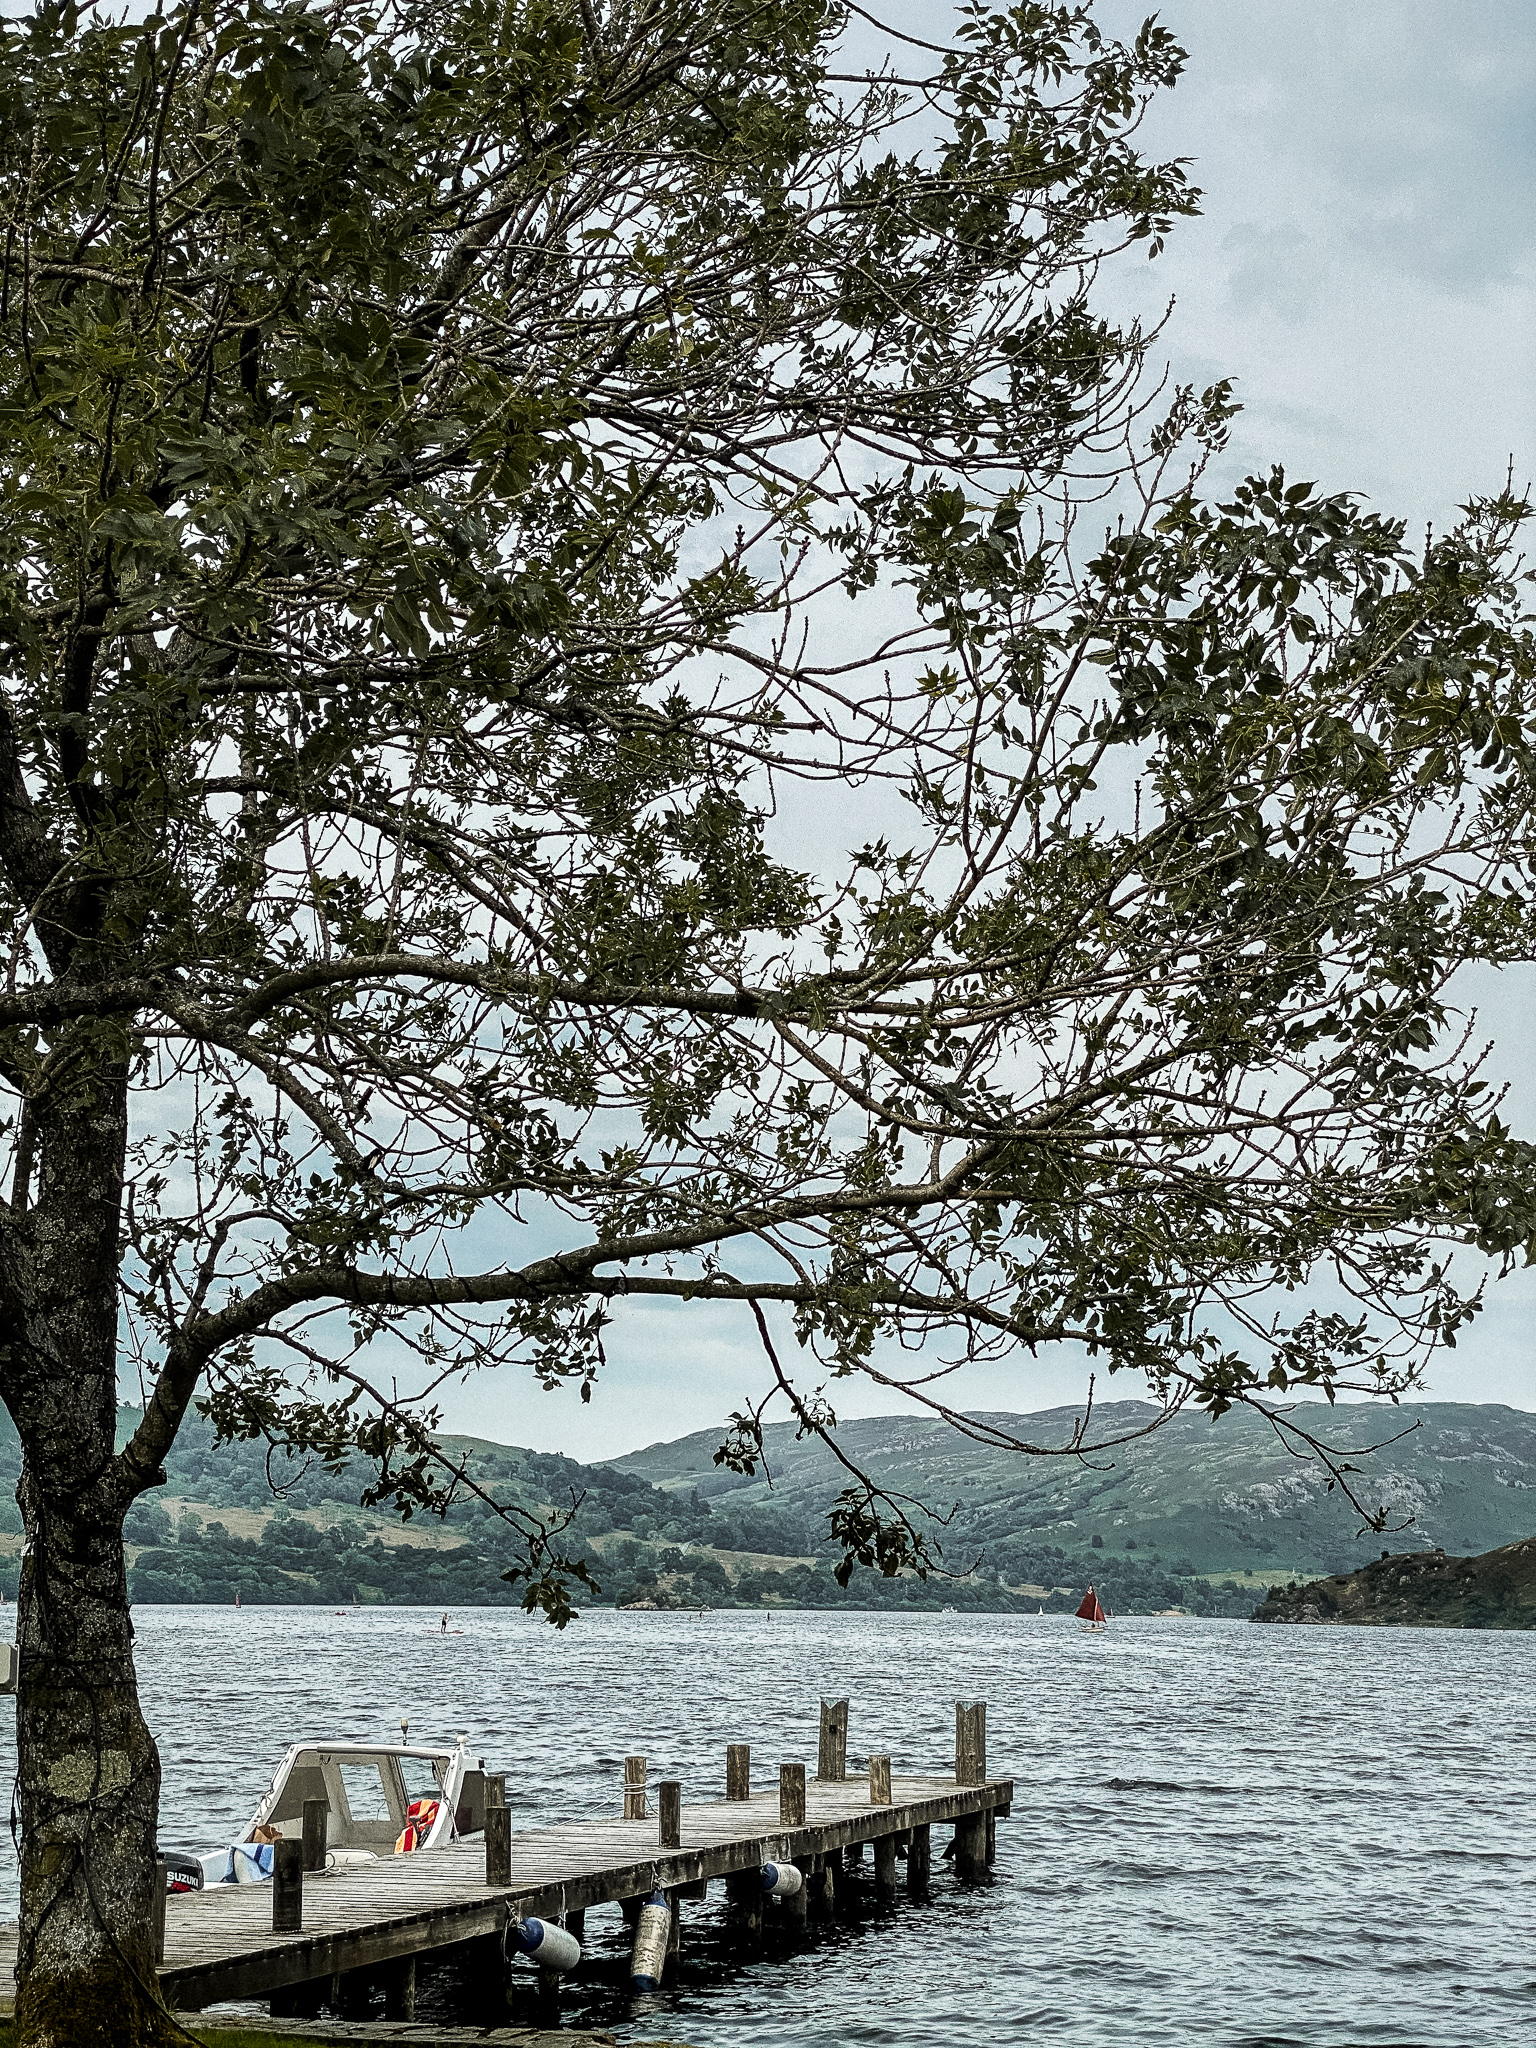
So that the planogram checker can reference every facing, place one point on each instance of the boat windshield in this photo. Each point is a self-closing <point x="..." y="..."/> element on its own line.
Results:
<point x="421" y="1779"/>
<point x="366" y="1798"/>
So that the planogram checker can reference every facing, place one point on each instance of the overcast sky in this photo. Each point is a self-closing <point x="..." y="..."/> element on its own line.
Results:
<point x="1364" y="270"/>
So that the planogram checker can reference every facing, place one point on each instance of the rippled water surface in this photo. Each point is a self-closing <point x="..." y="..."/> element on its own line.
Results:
<point x="1251" y="1837"/>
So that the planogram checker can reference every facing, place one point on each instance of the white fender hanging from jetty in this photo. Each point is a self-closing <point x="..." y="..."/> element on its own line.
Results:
<point x="653" y="1931"/>
<point x="781" y="1880"/>
<point x="551" y="1947"/>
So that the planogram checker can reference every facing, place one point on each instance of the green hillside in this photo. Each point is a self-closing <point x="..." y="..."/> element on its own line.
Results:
<point x="1200" y="1517"/>
<point x="1220" y="1497"/>
<point x="218" y="1531"/>
<point x="1421" y="1590"/>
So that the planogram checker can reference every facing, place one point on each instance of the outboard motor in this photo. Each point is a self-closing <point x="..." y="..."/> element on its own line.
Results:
<point x="182" y="1873"/>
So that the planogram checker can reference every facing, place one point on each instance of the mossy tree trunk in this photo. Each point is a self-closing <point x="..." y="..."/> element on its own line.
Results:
<point x="88" y="1768"/>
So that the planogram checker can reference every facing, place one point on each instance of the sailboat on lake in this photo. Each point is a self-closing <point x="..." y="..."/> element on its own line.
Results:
<point x="1092" y="1615"/>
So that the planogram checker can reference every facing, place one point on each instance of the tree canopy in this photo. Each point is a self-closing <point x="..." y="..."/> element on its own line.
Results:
<point x="465" y="470"/>
<point x="616" y="684"/>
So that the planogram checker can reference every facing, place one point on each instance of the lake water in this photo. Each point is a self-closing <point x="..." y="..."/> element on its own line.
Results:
<point x="1243" y="1837"/>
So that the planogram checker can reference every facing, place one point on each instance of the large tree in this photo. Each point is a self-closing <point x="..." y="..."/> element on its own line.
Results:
<point x="571" y="729"/>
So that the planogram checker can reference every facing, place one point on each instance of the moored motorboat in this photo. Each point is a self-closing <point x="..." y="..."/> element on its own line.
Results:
<point x="381" y="1799"/>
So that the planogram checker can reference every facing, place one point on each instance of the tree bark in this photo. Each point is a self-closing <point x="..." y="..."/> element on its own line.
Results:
<point x="88" y="1767"/>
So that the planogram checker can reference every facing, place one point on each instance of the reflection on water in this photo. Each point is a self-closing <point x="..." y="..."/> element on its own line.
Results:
<point x="1246" y="1837"/>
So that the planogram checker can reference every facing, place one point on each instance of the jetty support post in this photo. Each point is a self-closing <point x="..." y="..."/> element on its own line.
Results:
<point x="819" y="1872"/>
<point x="288" y="1886"/>
<point x="744" y="1896"/>
<point x="832" y="1746"/>
<point x="919" y="1860"/>
<point x="674" y="1935"/>
<point x="634" y="1788"/>
<point x="970" y="1742"/>
<point x="971" y="1845"/>
<point x="669" y="1808"/>
<point x="738" y="1770"/>
<point x="400" y="1989"/>
<point x="498" y="1845"/>
<point x="316" y="1827"/>
<point x="352" y="1992"/>
<point x="300" y="2001"/>
<point x="885" y="1866"/>
<point x="157" y="1912"/>
<point x="991" y="1834"/>
<point x="482" y="1973"/>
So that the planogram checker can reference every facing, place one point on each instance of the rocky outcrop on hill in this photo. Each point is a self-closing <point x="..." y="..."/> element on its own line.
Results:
<point x="1422" y="1589"/>
<point x="1220" y="1498"/>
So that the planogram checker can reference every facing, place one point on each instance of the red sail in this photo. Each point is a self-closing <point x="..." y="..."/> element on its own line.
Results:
<point x="1090" y="1609"/>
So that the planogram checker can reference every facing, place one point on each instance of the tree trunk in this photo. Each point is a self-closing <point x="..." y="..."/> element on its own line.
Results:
<point x="90" y="1794"/>
<point x="88" y="1768"/>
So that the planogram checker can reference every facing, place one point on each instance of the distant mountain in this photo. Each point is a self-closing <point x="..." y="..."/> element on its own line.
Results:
<point x="1202" y="1496"/>
<point x="1421" y="1590"/>
<point x="1199" y="1517"/>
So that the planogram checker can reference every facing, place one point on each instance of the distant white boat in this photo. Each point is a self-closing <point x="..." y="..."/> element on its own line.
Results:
<point x="382" y="1799"/>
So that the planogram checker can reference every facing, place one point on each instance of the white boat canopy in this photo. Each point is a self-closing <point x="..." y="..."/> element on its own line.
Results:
<point x="369" y="1790"/>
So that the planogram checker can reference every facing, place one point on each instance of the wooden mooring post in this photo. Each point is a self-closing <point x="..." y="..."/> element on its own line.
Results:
<point x="832" y="1745"/>
<point x="738" y="1770"/>
<point x="288" y="1886"/>
<point x="316" y="1827"/>
<point x="634" y="1788"/>
<point x="971" y="1742"/>
<point x="791" y="1795"/>
<point x="971" y="1857"/>
<point x="498" y="1845"/>
<point x="669" y="1809"/>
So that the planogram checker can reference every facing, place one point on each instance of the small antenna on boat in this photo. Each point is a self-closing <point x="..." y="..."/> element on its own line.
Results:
<point x="405" y="1726"/>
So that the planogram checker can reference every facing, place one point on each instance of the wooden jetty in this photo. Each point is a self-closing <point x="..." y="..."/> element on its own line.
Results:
<point x="303" y="1940"/>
